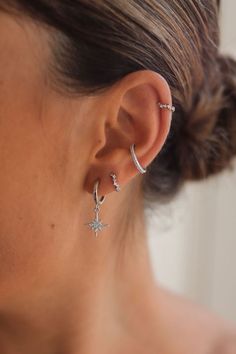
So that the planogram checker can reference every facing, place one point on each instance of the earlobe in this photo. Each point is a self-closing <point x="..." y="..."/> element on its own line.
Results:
<point x="138" y="118"/>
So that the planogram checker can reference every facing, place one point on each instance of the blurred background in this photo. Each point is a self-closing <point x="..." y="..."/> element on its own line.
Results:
<point x="193" y="239"/>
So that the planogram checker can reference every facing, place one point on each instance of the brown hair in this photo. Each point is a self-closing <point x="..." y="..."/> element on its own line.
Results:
<point x="99" y="42"/>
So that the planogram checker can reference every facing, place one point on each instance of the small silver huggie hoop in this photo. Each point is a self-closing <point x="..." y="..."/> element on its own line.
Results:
<point x="114" y="181"/>
<point x="135" y="160"/>
<point x="96" y="224"/>
<point x="97" y="200"/>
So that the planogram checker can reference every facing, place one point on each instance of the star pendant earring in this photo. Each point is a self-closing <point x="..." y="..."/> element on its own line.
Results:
<point x="96" y="224"/>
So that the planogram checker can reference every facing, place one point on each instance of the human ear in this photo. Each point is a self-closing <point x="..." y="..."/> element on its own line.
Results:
<point x="131" y="115"/>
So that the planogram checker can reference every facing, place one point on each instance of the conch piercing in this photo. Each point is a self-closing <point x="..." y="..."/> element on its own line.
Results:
<point x="96" y="224"/>
<point x="114" y="181"/>
<point x="166" y="106"/>
<point x="135" y="160"/>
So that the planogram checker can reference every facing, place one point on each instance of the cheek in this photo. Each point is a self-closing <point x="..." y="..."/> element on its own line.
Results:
<point x="35" y="212"/>
<point x="24" y="181"/>
<point x="30" y="198"/>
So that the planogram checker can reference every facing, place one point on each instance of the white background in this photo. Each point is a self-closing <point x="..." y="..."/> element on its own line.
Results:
<point x="193" y="240"/>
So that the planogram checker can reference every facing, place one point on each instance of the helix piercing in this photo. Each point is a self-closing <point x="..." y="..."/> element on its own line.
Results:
<point x="167" y="106"/>
<point x="114" y="181"/>
<point x="96" y="224"/>
<point x="135" y="160"/>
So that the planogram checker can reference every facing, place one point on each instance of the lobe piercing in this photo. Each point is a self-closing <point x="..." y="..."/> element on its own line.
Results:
<point x="96" y="224"/>
<point x="114" y="181"/>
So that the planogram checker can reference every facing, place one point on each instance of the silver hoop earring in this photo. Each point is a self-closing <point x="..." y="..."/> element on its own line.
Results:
<point x="114" y="181"/>
<point x="96" y="224"/>
<point x="135" y="160"/>
<point x="166" y="106"/>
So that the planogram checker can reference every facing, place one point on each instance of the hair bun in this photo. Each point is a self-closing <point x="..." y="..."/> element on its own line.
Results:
<point x="208" y="139"/>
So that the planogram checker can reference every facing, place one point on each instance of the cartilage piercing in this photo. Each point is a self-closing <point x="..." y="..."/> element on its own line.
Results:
<point x="114" y="181"/>
<point x="166" y="106"/>
<point x="140" y="168"/>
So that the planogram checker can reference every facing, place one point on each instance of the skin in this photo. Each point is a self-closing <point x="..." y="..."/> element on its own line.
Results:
<point x="62" y="290"/>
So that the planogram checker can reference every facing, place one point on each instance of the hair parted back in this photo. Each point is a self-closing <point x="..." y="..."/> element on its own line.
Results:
<point x="97" y="42"/>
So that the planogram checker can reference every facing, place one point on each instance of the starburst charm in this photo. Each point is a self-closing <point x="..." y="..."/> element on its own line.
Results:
<point x="96" y="225"/>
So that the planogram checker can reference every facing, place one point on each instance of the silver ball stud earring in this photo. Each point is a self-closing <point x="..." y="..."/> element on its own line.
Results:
<point x="96" y="224"/>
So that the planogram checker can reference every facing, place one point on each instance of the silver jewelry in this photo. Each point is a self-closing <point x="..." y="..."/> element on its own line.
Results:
<point x="114" y="181"/>
<point x="167" y="106"/>
<point x="135" y="160"/>
<point x="96" y="224"/>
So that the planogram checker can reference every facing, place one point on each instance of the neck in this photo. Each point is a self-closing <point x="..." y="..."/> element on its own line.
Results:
<point x="104" y="289"/>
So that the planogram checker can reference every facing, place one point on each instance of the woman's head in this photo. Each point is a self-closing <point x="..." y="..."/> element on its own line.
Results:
<point x="96" y="43"/>
<point x="79" y="83"/>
